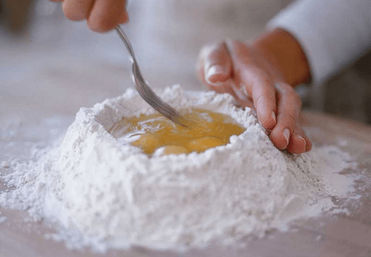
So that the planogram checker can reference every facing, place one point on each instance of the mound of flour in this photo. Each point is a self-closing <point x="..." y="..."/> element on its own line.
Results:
<point x="101" y="193"/>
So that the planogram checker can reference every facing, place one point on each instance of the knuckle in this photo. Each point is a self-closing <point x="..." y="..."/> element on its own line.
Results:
<point x="101" y="24"/>
<point x="73" y="15"/>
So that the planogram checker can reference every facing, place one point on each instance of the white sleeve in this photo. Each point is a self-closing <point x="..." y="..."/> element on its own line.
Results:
<point x="333" y="33"/>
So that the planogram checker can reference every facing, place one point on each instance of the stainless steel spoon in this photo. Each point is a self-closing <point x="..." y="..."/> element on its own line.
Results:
<point x="143" y="88"/>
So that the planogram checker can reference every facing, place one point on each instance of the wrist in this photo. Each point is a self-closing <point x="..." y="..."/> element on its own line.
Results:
<point x="285" y="54"/>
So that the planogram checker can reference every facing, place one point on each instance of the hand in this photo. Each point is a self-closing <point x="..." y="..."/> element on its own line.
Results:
<point x="227" y="65"/>
<point x="101" y="15"/>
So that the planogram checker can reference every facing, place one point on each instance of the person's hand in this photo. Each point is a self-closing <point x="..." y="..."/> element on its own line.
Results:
<point x="101" y="15"/>
<point x="228" y="65"/>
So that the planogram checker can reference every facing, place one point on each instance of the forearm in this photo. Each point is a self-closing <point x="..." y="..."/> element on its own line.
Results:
<point x="333" y="33"/>
<point x="285" y="54"/>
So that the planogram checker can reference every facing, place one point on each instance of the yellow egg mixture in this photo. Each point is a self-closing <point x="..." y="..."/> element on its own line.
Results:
<point x="204" y="129"/>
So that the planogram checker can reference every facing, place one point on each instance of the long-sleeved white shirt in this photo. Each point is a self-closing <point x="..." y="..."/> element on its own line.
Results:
<point x="333" y="33"/>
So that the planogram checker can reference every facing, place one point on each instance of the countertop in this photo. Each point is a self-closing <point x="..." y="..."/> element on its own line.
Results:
<point x="42" y="85"/>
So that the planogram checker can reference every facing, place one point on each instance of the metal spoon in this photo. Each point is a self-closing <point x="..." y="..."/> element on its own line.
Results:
<point x="142" y="87"/>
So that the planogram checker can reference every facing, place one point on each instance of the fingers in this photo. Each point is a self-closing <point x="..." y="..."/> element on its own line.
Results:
<point x="217" y="63"/>
<point x="265" y="102"/>
<point x="214" y="63"/>
<point x="287" y="134"/>
<point x="299" y="142"/>
<point x="214" y="68"/>
<point x="222" y="87"/>
<point x="102" y="15"/>
<point x="77" y="9"/>
<point x="235" y="68"/>
<point x="257" y="82"/>
<point x="106" y="14"/>
<point x="289" y="106"/>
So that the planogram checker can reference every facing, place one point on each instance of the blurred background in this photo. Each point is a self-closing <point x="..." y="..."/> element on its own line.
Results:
<point x="51" y="66"/>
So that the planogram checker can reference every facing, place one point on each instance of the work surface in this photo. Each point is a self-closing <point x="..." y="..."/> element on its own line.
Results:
<point x="38" y="102"/>
<point x="339" y="235"/>
<point x="39" y="98"/>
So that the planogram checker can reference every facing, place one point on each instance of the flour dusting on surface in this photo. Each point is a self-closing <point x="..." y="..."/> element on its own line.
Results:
<point x="103" y="194"/>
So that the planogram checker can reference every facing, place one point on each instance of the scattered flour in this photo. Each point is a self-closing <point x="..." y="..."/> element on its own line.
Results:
<point x="103" y="194"/>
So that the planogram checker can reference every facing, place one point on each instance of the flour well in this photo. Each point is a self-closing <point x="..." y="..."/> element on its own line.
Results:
<point x="105" y="194"/>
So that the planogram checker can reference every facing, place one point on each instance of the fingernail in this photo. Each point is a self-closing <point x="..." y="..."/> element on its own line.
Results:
<point x="300" y="138"/>
<point x="274" y="117"/>
<point x="286" y="135"/>
<point x="215" y="70"/>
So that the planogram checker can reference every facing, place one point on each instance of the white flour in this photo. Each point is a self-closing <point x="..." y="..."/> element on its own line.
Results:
<point x="104" y="194"/>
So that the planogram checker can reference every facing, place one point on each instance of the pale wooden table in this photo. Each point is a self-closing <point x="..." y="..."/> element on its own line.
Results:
<point x="339" y="236"/>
